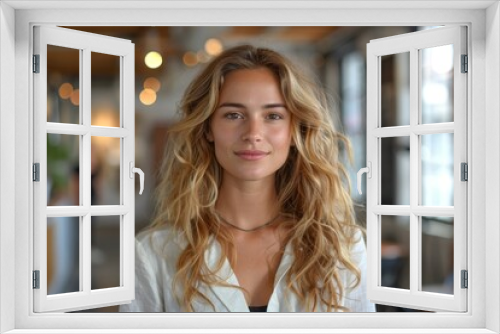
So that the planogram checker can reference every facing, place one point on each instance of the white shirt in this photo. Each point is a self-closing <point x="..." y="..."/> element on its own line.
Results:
<point x="156" y="257"/>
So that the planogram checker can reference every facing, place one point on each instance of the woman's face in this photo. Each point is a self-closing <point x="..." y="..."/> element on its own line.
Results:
<point x="251" y="127"/>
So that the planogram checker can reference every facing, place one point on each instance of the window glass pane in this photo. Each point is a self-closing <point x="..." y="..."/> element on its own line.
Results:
<point x="63" y="255"/>
<point x="63" y="170"/>
<point x="395" y="251"/>
<point x="395" y="89"/>
<point x="437" y="84"/>
<point x="105" y="89"/>
<point x="437" y="169"/>
<point x="395" y="186"/>
<point x="437" y="254"/>
<point x="63" y="83"/>
<point x="105" y="187"/>
<point x="105" y="239"/>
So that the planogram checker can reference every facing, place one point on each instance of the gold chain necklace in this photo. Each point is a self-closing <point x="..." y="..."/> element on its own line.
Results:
<point x="247" y="230"/>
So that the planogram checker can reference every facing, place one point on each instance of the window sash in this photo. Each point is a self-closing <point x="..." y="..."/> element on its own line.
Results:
<point x="412" y="43"/>
<point x="86" y="297"/>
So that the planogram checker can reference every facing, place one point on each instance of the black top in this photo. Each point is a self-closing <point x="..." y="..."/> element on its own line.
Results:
<point x="258" y="308"/>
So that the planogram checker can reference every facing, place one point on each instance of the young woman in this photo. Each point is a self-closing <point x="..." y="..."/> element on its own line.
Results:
<point x="254" y="212"/>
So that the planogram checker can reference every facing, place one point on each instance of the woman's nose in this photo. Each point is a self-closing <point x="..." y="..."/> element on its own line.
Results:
<point x="253" y="130"/>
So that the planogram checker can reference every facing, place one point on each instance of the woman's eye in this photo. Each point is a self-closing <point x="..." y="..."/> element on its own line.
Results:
<point x="274" y="116"/>
<point x="233" y="115"/>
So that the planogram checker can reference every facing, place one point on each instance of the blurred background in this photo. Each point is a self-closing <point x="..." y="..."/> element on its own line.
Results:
<point x="167" y="59"/>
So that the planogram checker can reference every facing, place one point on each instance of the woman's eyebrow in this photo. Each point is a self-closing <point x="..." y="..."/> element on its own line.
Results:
<point x="231" y="104"/>
<point x="274" y="105"/>
<point x="239" y="105"/>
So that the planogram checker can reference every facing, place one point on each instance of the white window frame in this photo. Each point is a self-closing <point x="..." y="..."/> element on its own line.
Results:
<point x="483" y="21"/>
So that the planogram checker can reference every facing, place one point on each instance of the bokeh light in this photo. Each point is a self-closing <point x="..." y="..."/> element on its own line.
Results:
<point x="65" y="90"/>
<point x="190" y="59"/>
<point x="147" y="96"/>
<point x="153" y="59"/>
<point x="75" y="97"/>
<point x="213" y="47"/>
<point x="152" y="83"/>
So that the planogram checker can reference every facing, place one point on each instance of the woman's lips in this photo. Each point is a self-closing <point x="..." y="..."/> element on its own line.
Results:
<point x="251" y="154"/>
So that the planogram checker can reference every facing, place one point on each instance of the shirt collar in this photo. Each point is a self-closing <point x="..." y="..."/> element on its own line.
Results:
<point x="233" y="298"/>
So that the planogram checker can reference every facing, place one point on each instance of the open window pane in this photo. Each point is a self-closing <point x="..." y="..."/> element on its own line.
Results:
<point x="395" y="185"/>
<point x="395" y="251"/>
<point x="63" y="255"/>
<point x="437" y="254"/>
<point x="63" y="85"/>
<point x="105" y="238"/>
<point x="73" y="162"/>
<point x="395" y="89"/>
<point x="105" y="167"/>
<point x="105" y="89"/>
<point x="437" y="84"/>
<point x="437" y="169"/>
<point x="63" y="171"/>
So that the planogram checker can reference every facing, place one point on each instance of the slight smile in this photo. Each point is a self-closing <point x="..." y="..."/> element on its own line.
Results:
<point x="251" y="154"/>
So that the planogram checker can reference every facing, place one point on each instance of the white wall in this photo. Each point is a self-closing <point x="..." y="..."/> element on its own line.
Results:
<point x="7" y="160"/>
<point x="492" y="162"/>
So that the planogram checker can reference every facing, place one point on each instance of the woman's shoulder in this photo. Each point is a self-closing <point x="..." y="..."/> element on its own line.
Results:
<point x="358" y="245"/>
<point x="160" y="239"/>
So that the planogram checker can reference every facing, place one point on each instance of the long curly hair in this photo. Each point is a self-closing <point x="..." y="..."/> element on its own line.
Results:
<point x="312" y="186"/>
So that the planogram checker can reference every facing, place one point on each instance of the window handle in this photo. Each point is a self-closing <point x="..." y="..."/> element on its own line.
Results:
<point x="367" y="170"/>
<point x="138" y="171"/>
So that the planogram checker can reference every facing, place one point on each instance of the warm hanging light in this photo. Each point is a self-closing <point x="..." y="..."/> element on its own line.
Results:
<point x="152" y="83"/>
<point x="147" y="96"/>
<point x="213" y="46"/>
<point x="190" y="59"/>
<point x="153" y="59"/>
<point x="65" y="90"/>
<point x="75" y="97"/>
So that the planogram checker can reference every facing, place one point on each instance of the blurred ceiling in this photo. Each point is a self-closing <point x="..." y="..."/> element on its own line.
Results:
<point x="176" y="41"/>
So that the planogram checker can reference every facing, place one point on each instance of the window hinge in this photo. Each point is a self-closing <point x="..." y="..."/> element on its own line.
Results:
<point x="465" y="279"/>
<point x="464" y="172"/>
<point x="36" y="279"/>
<point x="36" y="63"/>
<point x="36" y="172"/>
<point x="465" y="64"/>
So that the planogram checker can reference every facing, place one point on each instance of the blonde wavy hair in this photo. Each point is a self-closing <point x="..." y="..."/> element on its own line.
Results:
<point x="312" y="185"/>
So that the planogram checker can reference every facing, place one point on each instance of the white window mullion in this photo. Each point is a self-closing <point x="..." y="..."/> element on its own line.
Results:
<point x="392" y="210"/>
<point x="392" y="131"/>
<point x="86" y="175"/>
<point x="79" y="130"/>
<point x="108" y="210"/>
<point x="406" y="210"/>
<point x="414" y="169"/>
<point x="434" y="211"/>
<point x="428" y="129"/>
<point x="67" y="129"/>
<point x="85" y="255"/>
<point x="80" y="211"/>
<point x="67" y="211"/>
<point x="109" y="132"/>
<point x="420" y="129"/>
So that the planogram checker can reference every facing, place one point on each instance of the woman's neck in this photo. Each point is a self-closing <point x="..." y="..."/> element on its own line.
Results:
<point x="247" y="204"/>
